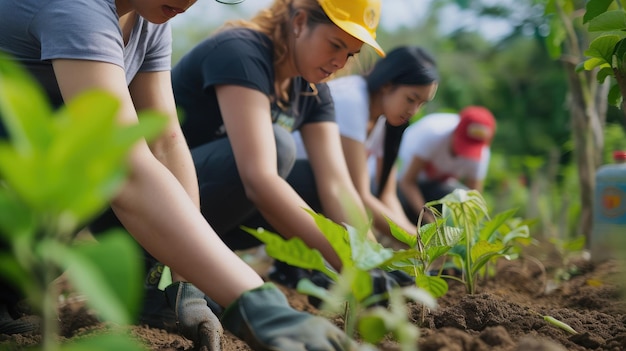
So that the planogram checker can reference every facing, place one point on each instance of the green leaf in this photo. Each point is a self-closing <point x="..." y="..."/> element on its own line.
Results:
<point x="361" y="285"/>
<point x="372" y="328"/>
<point x="20" y="97"/>
<point x="293" y="251"/>
<point x="594" y="8"/>
<point x="307" y="287"/>
<point x="337" y="236"/>
<point x="444" y="236"/>
<point x="521" y="232"/>
<point x="435" y="285"/>
<point x="15" y="219"/>
<point x="434" y="252"/>
<point x="402" y="235"/>
<point x="489" y="229"/>
<point x="608" y="21"/>
<point x="83" y="158"/>
<point x="602" y="49"/>
<point x="367" y="254"/>
<point x="482" y="252"/>
<point x="113" y="287"/>
<point x="603" y="73"/>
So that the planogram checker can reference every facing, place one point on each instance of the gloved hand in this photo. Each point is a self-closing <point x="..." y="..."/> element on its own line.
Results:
<point x="194" y="318"/>
<point x="382" y="282"/>
<point x="263" y="319"/>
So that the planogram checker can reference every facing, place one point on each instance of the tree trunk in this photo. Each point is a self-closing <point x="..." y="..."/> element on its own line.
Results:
<point x="587" y="129"/>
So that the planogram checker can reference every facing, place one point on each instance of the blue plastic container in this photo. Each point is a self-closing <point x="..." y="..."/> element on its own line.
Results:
<point x="609" y="209"/>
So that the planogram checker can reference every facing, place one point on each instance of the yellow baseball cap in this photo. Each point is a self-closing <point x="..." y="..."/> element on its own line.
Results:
<point x="358" y="18"/>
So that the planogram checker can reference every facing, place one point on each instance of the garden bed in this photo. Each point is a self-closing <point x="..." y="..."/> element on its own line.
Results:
<point x="505" y="314"/>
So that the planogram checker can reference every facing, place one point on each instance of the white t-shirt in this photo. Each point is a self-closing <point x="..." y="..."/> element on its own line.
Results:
<point x="430" y="139"/>
<point x="351" y="100"/>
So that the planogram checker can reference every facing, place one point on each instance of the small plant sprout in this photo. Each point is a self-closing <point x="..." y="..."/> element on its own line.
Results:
<point x="484" y="239"/>
<point x="431" y="242"/>
<point x="557" y="323"/>
<point x="377" y="322"/>
<point x="57" y="171"/>
<point x="464" y="233"/>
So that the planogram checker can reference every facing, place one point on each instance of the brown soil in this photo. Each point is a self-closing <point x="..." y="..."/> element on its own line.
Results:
<point x="505" y="314"/>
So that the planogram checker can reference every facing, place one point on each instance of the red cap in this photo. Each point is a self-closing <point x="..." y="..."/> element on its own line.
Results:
<point x="619" y="155"/>
<point x="474" y="132"/>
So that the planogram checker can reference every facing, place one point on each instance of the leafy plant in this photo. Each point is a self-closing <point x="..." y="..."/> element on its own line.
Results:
<point x="466" y="234"/>
<point x="432" y="242"/>
<point x="607" y="51"/>
<point x="567" y="250"/>
<point x="484" y="239"/>
<point x="351" y="294"/>
<point x="57" y="171"/>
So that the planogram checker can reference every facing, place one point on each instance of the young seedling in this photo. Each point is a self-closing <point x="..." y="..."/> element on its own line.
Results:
<point x="484" y="239"/>
<point x="562" y="325"/>
<point x="431" y="242"/>
<point x="57" y="171"/>
<point x="462" y="232"/>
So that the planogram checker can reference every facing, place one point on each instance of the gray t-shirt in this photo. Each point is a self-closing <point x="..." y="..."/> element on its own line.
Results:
<point x="37" y="31"/>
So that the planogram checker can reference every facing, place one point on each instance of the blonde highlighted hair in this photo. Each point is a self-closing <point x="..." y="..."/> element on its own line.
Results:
<point x="275" y="22"/>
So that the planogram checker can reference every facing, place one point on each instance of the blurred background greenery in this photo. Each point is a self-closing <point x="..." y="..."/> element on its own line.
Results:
<point x="499" y="54"/>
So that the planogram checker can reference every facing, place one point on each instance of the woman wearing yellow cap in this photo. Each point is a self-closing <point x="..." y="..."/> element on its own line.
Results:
<point x="124" y="47"/>
<point x="244" y="90"/>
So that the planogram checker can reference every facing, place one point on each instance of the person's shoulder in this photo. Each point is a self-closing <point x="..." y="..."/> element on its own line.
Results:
<point x="78" y="11"/>
<point x="240" y="36"/>
<point x="433" y="126"/>
<point x="350" y="82"/>
<point x="440" y="117"/>
<point x="349" y="88"/>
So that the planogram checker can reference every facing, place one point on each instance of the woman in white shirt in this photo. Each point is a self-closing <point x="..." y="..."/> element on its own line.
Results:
<point x="372" y="111"/>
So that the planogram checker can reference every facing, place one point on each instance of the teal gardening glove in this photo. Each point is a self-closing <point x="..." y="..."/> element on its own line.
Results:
<point x="194" y="318"/>
<point x="263" y="318"/>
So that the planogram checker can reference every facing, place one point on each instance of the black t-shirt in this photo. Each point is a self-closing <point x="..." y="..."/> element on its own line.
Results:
<point x="242" y="57"/>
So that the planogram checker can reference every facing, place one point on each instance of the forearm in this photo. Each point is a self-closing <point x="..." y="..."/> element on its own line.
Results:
<point x="380" y="211"/>
<point x="283" y="208"/>
<point x="342" y="204"/>
<point x="156" y="210"/>
<point x="172" y="151"/>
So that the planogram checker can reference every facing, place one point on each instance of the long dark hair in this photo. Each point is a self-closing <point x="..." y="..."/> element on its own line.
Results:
<point x="405" y="65"/>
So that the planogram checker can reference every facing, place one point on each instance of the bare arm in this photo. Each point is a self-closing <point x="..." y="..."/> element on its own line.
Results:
<point x="152" y="90"/>
<point x="337" y="193"/>
<point x="389" y="197"/>
<point x="246" y="114"/>
<point x="356" y="159"/>
<point x="153" y="205"/>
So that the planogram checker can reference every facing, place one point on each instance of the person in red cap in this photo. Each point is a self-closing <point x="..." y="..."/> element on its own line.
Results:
<point x="442" y="152"/>
<point x="124" y="47"/>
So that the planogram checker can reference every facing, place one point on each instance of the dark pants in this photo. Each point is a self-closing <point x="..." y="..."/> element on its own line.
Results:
<point x="431" y="190"/>
<point x="222" y="195"/>
<point x="223" y="200"/>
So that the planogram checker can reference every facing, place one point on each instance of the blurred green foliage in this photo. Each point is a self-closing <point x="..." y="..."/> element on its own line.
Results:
<point x="59" y="169"/>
